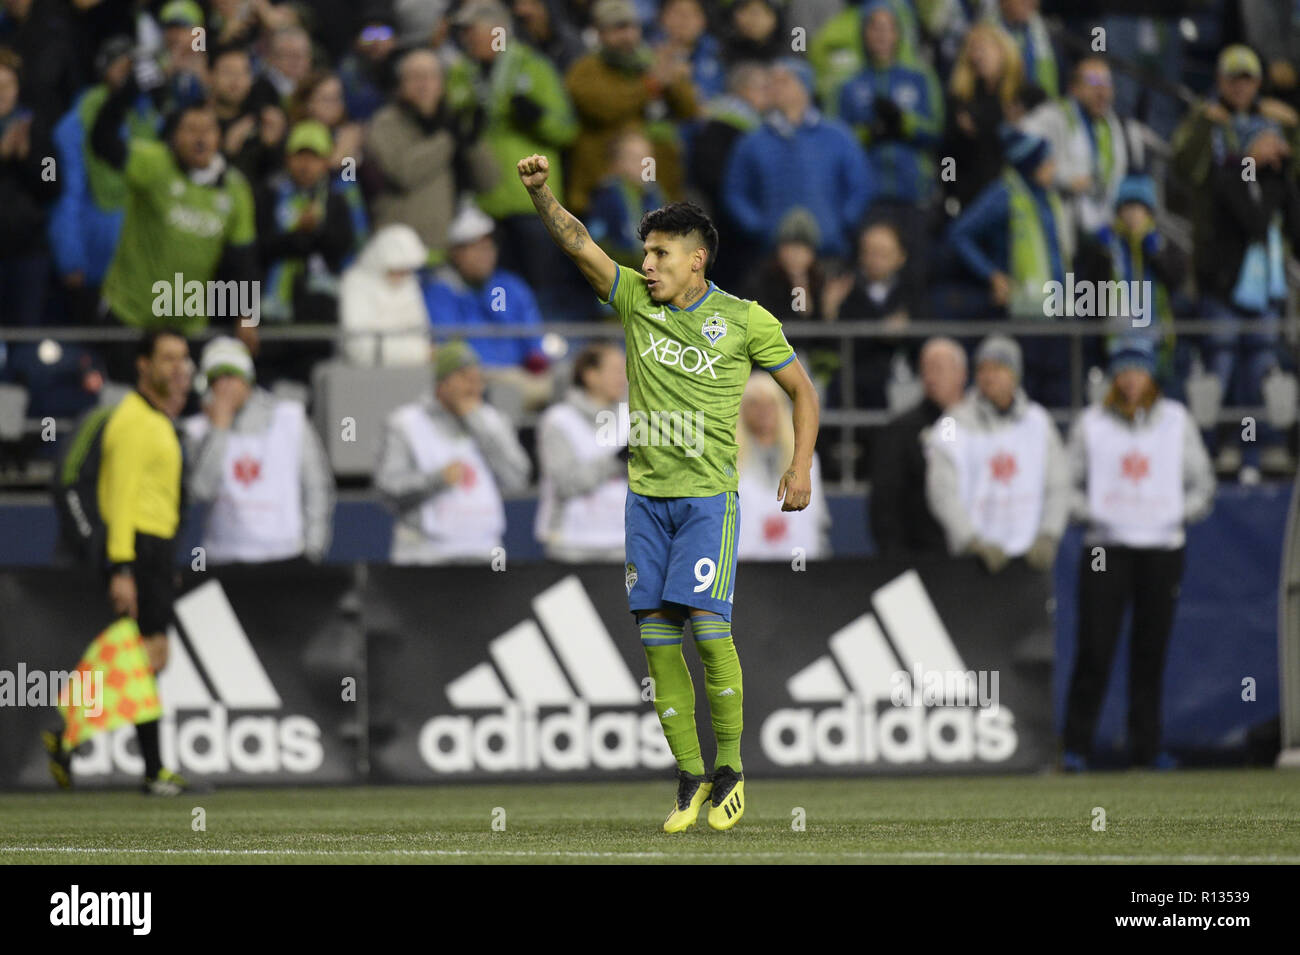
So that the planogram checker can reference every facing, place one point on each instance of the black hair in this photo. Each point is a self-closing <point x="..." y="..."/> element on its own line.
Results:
<point x="144" y="348"/>
<point x="588" y="359"/>
<point x="1083" y="61"/>
<point x="682" y="219"/>
<point x="888" y="226"/>
<point x="10" y="60"/>
<point x="173" y="119"/>
<point x="112" y="50"/>
<point x="215" y="54"/>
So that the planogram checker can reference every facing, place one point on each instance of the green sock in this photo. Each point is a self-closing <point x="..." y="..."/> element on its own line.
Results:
<point x="674" y="691"/>
<point x="722" y="685"/>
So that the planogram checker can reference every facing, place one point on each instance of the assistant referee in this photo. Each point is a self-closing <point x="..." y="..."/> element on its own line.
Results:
<point x="140" y="502"/>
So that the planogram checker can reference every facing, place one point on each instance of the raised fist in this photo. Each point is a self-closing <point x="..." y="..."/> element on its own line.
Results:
<point x="533" y="171"/>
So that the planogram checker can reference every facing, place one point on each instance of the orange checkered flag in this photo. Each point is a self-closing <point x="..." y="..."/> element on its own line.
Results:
<point x="130" y="694"/>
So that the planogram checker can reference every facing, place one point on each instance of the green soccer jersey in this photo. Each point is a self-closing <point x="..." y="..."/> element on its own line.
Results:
<point x="686" y="371"/>
<point x="172" y="226"/>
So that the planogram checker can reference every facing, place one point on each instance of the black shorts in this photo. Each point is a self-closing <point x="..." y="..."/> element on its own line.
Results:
<point x="155" y="582"/>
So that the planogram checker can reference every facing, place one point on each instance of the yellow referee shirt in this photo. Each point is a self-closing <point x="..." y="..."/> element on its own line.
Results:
<point x="140" y="476"/>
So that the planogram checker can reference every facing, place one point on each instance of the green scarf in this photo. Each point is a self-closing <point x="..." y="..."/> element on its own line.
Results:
<point x="1031" y="262"/>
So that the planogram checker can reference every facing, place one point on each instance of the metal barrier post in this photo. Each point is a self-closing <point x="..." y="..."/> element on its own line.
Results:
<point x="1076" y="372"/>
<point x="847" y="393"/>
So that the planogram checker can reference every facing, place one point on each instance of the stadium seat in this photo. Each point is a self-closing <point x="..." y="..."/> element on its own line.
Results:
<point x="287" y="390"/>
<point x="367" y="396"/>
<point x="13" y="408"/>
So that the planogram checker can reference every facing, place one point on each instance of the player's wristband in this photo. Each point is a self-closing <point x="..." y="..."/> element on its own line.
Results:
<point x="125" y="568"/>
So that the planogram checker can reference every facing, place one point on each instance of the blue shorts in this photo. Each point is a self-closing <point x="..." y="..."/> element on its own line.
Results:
<point x="681" y="550"/>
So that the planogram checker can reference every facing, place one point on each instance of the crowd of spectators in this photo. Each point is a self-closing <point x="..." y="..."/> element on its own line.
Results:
<point x="875" y="162"/>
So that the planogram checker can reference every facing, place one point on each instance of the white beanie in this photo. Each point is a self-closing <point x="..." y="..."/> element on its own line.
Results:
<point x="223" y="356"/>
<point x="471" y="224"/>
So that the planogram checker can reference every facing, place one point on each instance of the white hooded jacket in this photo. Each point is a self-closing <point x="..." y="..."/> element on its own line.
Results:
<point x="384" y="322"/>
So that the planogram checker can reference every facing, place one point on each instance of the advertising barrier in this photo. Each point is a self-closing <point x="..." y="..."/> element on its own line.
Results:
<point x="303" y="675"/>
<point x="850" y="667"/>
<point x="251" y="692"/>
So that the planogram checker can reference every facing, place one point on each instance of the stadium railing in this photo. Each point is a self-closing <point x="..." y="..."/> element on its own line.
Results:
<point x="846" y="419"/>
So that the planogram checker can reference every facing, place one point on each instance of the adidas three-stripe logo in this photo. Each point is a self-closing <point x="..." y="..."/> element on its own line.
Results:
<point x="840" y="719"/>
<point x="535" y="673"/>
<point x="212" y="674"/>
<point x="224" y="669"/>
<point x="864" y="654"/>
<point x="726" y="549"/>
<point x="544" y="677"/>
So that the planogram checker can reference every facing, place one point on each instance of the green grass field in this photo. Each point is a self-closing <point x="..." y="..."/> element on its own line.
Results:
<point x="1230" y="816"/>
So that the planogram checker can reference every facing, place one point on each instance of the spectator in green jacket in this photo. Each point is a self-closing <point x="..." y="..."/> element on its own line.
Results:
<point x="837" y="51"/>
<point x="525" y="110"/>
<point x="189" y="217"/>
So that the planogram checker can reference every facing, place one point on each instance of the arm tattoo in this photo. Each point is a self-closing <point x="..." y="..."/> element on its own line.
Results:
<point x="565" y="229"/>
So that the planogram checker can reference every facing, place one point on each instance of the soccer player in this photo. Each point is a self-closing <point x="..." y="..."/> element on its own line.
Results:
<point x="690" y="349"/>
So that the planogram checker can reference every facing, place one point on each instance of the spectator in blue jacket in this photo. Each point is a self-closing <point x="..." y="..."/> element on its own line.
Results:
<point x="1015" y="237"/>
<point x="86" y="220"/>
<point x="622" y="198"/>
<point x="798" y="157"/>
<point x="990" y="241"/>
<point x="470" y="289"/>
<point x="310" y="223"/>
<point x="1132" y="249"/>
<point x="26" y="192"/>
<point x="896" y="109"/>
<point x="369" y="71"/>
<point x="682" y="26"/>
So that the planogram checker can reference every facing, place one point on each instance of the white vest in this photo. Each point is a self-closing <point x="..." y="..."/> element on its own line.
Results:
<point x="1135" y="476"/>
<point x="464" y="521"/>
<point x="257" y="515"/>
<point x="1002" y="476"/>
<point x="591" y="521"/>
<point x="769" y="533"/>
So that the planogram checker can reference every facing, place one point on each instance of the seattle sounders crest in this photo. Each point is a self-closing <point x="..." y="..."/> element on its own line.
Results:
<point x="714" y="327"/>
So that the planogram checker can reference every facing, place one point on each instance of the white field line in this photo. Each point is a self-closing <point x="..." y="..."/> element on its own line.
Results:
<point x="581" y="854"/>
